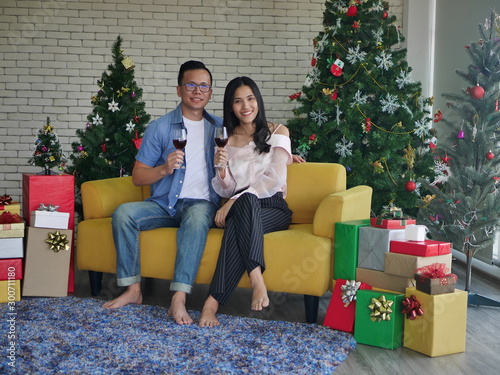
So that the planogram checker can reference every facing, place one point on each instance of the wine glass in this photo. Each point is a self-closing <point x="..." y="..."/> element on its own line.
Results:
<point x="221" y="139"/>
<point x="180" y="141"/>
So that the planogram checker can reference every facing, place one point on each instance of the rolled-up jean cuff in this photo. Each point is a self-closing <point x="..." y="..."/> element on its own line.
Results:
<point x="180" y="287"/>
<point x="127" y="281"/>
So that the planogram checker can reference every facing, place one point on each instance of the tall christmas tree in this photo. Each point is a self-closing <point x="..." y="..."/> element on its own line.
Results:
<point x="361" y="107"/>
<point x="48" y="153"/>
<point x="464" y="207"/>
<point x="112" y="135"/>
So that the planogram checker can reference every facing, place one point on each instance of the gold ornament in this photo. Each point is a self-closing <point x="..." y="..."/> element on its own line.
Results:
<point x="57" y="241"/>
<point x="128" y="63"/>
<point x="409" y="156"/>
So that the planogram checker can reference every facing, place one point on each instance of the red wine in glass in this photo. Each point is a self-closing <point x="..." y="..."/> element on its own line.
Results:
<point x="220" y="138"/>
<point x="221" y="142"/>
<point x="180" y="144"/>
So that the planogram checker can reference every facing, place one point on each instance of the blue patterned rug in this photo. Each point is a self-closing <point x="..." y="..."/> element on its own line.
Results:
<point x="76" y="336"/>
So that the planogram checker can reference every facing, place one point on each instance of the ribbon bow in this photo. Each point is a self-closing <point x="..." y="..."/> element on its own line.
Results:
<point x="411" y="307"/>
<point x="381" y="309"/>
<point x="49" y="207"/>
<point x="5" y="200"/>
<point x="436" y="271"/>
<point x="349" y="290"/>
<point x="57" y="241"/>
<point x="9" y="218"/>
<point x="392" y="212"/>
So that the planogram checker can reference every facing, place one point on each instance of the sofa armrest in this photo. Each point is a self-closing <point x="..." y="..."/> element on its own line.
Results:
<point x="351" y="204"/>
<point x="101" y="197"/>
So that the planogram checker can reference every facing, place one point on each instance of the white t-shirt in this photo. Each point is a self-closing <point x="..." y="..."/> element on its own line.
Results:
<point x="195" y="182"/>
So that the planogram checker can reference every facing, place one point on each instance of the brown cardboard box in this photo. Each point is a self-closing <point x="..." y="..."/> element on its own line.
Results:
<point x="406" y="265"/>
<point x="382" y="280"/>
<point x="46" y="271"/>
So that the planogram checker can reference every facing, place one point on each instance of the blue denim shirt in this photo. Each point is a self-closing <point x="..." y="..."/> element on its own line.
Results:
<point x="157" y="144"/>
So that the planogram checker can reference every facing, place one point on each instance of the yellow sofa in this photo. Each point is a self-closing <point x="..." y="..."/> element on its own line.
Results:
<point x="298" y="260"/>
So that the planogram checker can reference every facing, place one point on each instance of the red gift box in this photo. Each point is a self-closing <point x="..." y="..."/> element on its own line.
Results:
<point x="391" y="223"/>
<point x="338" y="316"/>
<point x="11" y="269"/>
<point x="425" y="248"/>
<point x="58" y="190"/>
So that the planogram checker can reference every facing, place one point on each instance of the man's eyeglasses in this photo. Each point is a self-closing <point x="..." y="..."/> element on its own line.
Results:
<point x="193" y="86"/>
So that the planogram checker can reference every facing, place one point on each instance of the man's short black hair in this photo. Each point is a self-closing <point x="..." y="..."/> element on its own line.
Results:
<point x="192" y="65"/>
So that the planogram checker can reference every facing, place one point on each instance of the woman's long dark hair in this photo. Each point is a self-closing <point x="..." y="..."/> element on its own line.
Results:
<point x="262" y="132"/>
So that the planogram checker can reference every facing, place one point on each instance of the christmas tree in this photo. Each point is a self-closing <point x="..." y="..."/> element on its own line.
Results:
<point x="112" y="135"/>
<point x="48" y="152"/>
<point x="463" y="207"/>
<point x="360" y="106"/>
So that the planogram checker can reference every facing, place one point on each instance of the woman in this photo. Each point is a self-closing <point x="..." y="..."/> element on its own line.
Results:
<point x="254" y="180"/>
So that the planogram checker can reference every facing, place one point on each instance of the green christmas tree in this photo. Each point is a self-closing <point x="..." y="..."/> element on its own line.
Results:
<point x="113" y="131"/>
<point x="360" y="106"/>
<point x="464" y="207"/>
<point x="48" y="153"/>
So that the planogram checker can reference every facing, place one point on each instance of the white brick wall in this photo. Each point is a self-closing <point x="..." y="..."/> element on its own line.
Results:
<point x="52" y="52"/>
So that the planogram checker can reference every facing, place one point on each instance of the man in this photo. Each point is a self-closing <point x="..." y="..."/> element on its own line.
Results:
<point x="182" y="198"/>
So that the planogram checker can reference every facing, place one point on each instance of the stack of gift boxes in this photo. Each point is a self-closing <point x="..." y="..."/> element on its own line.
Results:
<point x="11" y="250"/>
<point x="36" y="250"/>
<point x="48" y="208"/>
<point x="393" y="288"/>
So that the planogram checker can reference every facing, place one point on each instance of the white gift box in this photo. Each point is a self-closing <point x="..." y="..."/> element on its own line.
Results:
<point x="11" y="248"/>
<point x="49" y="219"/>
<point x="415" y="232"/>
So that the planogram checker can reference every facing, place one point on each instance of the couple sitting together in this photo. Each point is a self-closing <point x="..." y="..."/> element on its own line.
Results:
<point x="251" y="172"/>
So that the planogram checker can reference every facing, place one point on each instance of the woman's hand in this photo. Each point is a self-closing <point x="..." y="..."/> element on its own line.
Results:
<point x="220" y="157"/>
<point x="220" y="216"/>
<point x="298" y="159"/>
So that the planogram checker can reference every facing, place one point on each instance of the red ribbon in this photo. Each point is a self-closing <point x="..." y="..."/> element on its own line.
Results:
<point x="8" y="218"/>
<point x="436" y="271"/>
<point x="411" y="307"/>
<point x="5" y="200"/>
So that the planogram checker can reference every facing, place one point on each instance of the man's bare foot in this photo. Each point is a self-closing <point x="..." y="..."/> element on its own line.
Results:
<point x="208" y="318"/>
<point x="131" y="295"/>
<point x="178" y="310"/>
<point x="260" y="299"/>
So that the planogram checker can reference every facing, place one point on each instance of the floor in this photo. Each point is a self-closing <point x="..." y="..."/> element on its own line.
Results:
<point x="483" y="326"/>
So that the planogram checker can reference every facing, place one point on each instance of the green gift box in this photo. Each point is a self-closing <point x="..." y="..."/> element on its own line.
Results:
<point x="371" y="327"/>
<point x="346" y="248"/>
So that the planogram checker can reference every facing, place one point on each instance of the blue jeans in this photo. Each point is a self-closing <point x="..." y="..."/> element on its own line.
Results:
<point x="193" y="218"/>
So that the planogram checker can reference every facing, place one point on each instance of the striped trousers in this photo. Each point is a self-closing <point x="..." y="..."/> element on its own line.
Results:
<point x="242" y="246"/>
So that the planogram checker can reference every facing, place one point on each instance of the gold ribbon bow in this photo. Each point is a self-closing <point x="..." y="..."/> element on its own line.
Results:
<point x="57" y="241"/>
<point x="381" y="309"/>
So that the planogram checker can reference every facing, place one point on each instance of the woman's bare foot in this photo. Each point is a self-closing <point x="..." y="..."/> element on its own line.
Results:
<point x="131" y="295"/>
<point x="208" y="318"/>
<point x="260" y="299"/>
<point x="178" y="310"/>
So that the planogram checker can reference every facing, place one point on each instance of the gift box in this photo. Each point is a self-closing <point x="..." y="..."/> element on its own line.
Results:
<point x="374" y="243"/>
<point x="441" y="330"/>
<point x="383" y="280"/>
<point x="12" y="230"/>
<point x="58" y="190"/>
<point x="379" y="321"/>
<point x="11" y="248"/>
<point x="391" y="223"/>
<point x="342" y="307"/>
<point x="11" y="269"/>
<point x="47" y="262"/>
<point x="405" y="265"/>
<point x="48" y="219"/>
<point x="440" y="285"/>
<point x="10" y="290"/>
<point x="415" y="232"/>
<point x="13" y="208"/>
<point x="425" y="248"/>
<point x="346" y="248"/>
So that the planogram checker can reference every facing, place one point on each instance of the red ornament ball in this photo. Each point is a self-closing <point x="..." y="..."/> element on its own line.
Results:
<point x="490" y="155"/>
<point x="385" y="15"/>
<point x="477" y="92"/>
<point x="410" y="186"/>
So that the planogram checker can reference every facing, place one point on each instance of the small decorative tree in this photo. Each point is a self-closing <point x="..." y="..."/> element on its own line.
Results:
<point x="361" y="107"/>
<point x="48" y="153"/>
<point x="112" y="135"/>
<point x="464" y="207"/>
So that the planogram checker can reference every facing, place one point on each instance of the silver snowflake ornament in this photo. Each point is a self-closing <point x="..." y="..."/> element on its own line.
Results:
<point x="97" y="120"/>
<point x="390" y="103"/>
<point x="113" y="106"/>
<point x="354" y="55"/>
<point x="384" y="61"/>
<point x="343" y="148"/>
<point x="130" y="126"/>
<point x="319" y="117"/>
